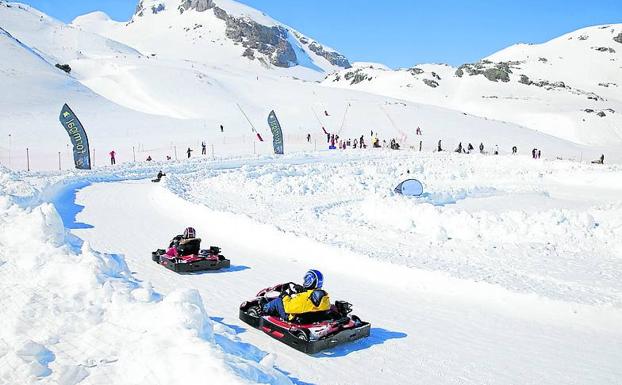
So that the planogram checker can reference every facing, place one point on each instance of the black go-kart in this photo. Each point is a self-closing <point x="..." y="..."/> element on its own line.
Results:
<point x="309" y="333"/>
<point x="203" y="260"/>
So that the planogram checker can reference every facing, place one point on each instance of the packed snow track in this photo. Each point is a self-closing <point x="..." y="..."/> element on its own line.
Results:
<point x="429" y="325"/>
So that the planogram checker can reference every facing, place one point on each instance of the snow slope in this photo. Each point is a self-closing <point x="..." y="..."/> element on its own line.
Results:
<point x="77" y="316"/>
<point x="201" y="37"/>
<point x="29" y="112"/>
<point x="125" y="90"/>
<point x="134" y="103"/>
<point x="561" y="87"/>
<point x="514" y="304"/>
<point x="477" y="210"/>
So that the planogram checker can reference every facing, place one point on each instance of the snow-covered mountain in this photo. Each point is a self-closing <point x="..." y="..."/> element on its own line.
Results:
<point x="146" y="95"/>
<point x="505" y="270"/>
<point x="570" y="87"/>
<point x="217" y="33"/>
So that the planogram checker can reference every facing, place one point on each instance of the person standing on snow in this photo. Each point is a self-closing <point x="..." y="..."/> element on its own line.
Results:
<point x="113" y="161"/>
<point x="481" y="148"/>
<point x="222" y="129"/>
<point x="189" y="152"/>
<point x="439" y="148"/>
<point x="308" y="138"/>
<point x="203" y="148"/>
<point x="300" y="299"/>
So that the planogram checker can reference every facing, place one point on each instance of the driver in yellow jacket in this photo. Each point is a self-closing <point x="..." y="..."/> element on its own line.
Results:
<point x="298" y="299"/>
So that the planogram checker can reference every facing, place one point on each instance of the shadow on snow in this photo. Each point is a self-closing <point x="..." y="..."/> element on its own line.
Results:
<point x="68" y="209"/>
<point x="377" y="336"/>
<point x="232" y="269"/>
<point x="237" y="329"/>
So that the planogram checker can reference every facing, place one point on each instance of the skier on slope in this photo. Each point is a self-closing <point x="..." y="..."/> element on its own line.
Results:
<point x="189" y="152"/>
<point x="300" y="299"/>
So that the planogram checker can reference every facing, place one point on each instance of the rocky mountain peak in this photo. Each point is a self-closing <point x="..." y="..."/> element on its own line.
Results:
<point x="197" y="5"/>
<point x="271" y="44"/>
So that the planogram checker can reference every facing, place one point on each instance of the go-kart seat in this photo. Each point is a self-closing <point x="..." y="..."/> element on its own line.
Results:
<point x="316" y="316"/>
<point x="190" y="246"/>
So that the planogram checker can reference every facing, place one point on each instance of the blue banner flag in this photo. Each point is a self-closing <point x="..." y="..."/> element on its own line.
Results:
<point x="81" y="153"/>
<point x="277" y="133"/>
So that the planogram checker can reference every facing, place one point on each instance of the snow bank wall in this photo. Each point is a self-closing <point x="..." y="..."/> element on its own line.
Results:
<point x="73" y="315"/>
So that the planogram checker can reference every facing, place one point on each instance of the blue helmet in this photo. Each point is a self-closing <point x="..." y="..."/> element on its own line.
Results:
<point x="313" y="279"/>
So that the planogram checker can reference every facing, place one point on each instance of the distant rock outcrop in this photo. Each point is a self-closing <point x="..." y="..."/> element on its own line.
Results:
<point x="491" y="71"/>
<point x="356" y="76"/>
<point x="270" y="41"/>
<point x="197" y="5"/>
<point x="430" y="83"/>
<point x="334" y="58"/>
<point x="618" y="38"/>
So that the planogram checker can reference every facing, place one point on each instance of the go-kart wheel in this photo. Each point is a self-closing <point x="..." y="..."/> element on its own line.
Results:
<point x="357" y="320"/>
<point x="300" y="334"/>
<point x="155" y="257"/>
<point x="254" y="311"/>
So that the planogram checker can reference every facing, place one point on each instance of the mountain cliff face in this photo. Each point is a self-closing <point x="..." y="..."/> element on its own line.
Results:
<point x="569" y="87"/>
<point x="262" y="39"/>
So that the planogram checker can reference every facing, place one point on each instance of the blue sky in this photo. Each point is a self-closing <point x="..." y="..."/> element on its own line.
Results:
<point x="402" y="33"/>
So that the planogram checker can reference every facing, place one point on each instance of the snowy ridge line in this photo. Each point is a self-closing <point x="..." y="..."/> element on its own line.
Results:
<point x="474" y="286"/>
<point x="27" y="48"/>
<point x="67" y="319"/>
